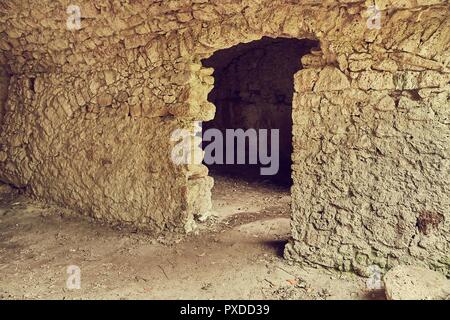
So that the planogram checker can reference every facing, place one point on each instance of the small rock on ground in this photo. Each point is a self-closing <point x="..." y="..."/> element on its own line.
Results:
<point x="416" y="283"/>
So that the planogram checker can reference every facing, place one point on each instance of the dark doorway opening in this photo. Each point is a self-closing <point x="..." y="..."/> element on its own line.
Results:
<point x="253" y="90"/>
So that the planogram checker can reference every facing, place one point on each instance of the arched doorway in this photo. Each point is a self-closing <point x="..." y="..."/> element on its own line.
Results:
<point x="248" y="144"/>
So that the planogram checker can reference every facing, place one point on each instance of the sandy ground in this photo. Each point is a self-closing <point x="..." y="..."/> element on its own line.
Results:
<point x="237" y="254"/>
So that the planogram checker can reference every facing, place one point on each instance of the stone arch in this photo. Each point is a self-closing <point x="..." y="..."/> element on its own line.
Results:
<point x="202" y="83"/>
<point x="201" y="76"/>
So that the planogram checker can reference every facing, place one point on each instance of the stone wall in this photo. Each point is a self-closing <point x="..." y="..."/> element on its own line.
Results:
<point x="371" y="151"/>
<point x="90" y="112"/>
<point x="371" y="171"/>
<point x="4" y="83"/>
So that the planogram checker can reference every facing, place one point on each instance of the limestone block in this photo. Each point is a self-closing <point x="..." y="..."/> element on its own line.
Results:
<point x="104" y="100"/>
<point x="416" y="283"/>
<point x="331" y="79"/>
<point x="306" y="79"/>
<point x="373" y="80"/>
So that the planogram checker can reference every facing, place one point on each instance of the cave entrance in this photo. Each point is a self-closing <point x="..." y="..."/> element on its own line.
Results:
<point x="253" y="93"/>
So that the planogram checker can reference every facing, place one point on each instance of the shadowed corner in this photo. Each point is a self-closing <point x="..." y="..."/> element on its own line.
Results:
<point x="276" y="246"/>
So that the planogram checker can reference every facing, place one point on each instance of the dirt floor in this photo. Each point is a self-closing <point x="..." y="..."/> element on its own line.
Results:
<point x="237" y="254"/>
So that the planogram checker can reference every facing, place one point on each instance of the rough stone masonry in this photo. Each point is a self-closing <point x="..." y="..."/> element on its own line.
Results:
<point x="86" y="117"/>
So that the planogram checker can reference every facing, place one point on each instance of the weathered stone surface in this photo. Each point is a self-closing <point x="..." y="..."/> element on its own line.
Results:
<point x="416" y="283"/>
<point x="331" y="79"/>
<point x="88" y="115"/>
<point x="5" y="189"/>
